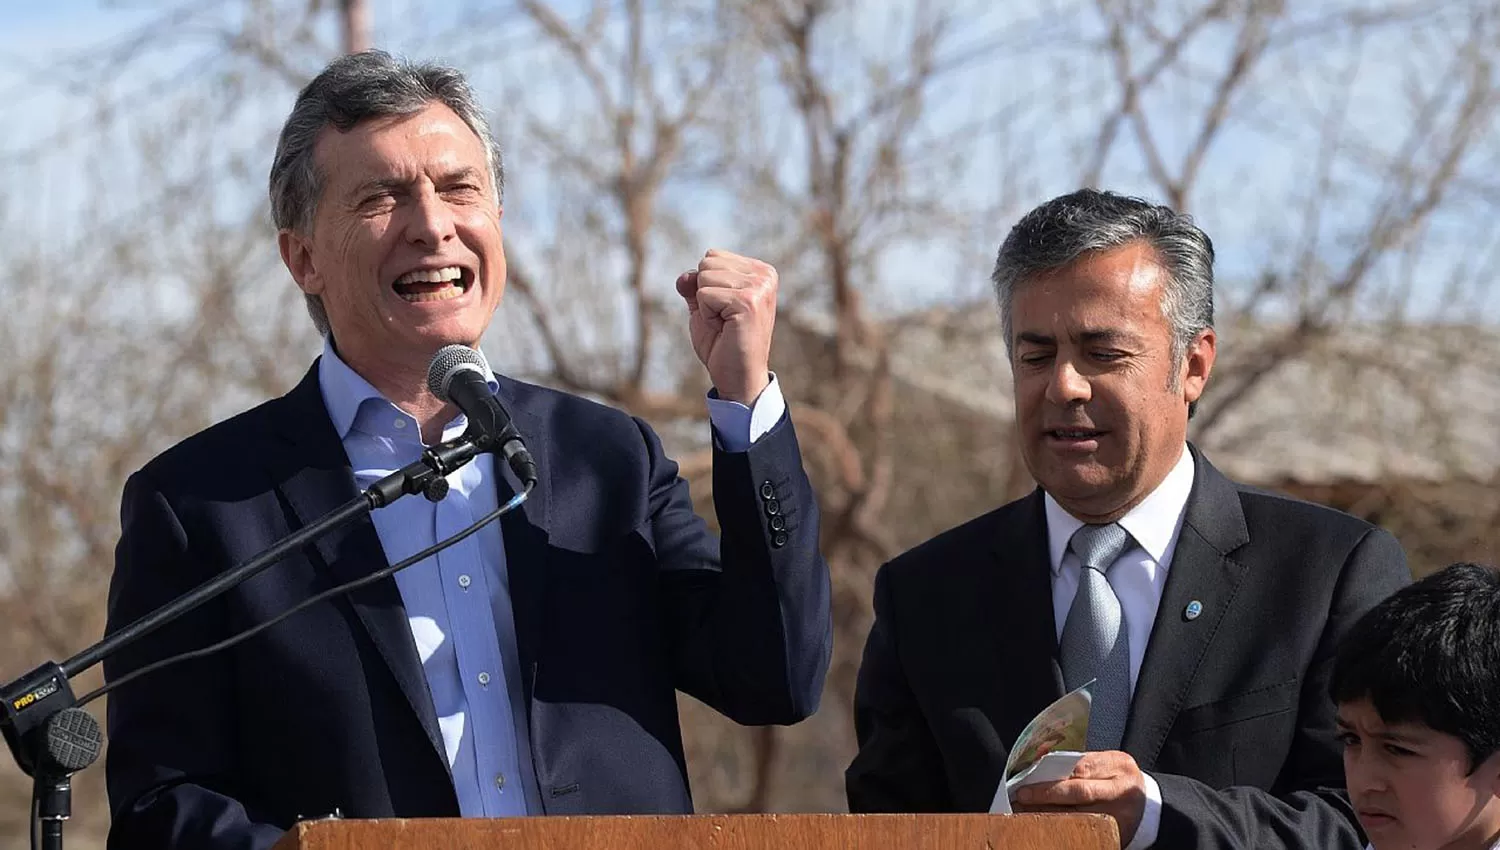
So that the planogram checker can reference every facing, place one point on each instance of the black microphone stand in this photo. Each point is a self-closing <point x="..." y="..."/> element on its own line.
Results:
<point x="51" y="738"/>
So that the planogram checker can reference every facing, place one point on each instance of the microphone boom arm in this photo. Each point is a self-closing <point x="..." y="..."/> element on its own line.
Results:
<point x="30" y="701"/>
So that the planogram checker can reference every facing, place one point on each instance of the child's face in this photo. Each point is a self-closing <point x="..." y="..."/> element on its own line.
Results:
<point x="1411" y="785"/>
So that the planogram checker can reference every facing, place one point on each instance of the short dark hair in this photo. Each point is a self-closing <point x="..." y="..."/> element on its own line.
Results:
<point x="1430" y="654"/>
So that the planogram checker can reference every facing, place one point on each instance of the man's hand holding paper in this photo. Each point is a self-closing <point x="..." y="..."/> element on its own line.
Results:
<point x="1108" y="782"/>
<point x="1048" y="769"/>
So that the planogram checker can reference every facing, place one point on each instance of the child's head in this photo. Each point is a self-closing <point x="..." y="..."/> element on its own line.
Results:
<point x="1417" y="683"/>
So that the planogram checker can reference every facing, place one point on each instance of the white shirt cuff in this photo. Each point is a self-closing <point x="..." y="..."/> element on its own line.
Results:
<point x="738" y="426"/>
<point x="1145" y="834"/>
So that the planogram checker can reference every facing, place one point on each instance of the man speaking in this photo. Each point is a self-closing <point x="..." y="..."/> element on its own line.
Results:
<point x="532" y="667"/>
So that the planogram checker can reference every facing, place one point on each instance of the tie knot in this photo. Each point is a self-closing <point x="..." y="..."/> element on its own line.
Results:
<point x="1099" y="546"/>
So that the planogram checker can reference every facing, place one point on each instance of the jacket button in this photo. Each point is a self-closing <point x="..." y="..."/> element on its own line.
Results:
<point x="773" y="507"/>
<point x="778" y="540"/>
<point x="767" y="491"/>
<point x="778" y="523"/>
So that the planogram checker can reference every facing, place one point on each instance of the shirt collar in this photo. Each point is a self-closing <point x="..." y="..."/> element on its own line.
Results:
<point x="344" y="390"/>
<point x="1152" y="523"/>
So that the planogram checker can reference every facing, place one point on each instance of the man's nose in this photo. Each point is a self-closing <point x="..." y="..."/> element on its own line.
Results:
<point x="431" y="222"/>
<point x="1066" y="386"/>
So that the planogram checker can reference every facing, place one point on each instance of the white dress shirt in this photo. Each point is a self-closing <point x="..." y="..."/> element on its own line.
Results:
<point x="1137" y="577"/>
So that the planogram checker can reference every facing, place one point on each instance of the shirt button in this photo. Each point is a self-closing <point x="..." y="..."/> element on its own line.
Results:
<point x="400" y="423"/>
<point x="464" y="581"/>
<point x="500" y="780"/>
<point x="484" y="678"/>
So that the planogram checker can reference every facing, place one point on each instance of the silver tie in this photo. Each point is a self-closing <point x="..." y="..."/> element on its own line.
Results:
<point x="1094" y="642"/>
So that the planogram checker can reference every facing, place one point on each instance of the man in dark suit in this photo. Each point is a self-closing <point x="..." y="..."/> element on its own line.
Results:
<point x="530" y="669"/>
<point x="1207" y="613"/>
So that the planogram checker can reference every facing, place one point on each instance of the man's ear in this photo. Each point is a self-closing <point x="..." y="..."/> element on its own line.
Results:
<point x="296" y="254"/>
<point x="1198" y="363"/>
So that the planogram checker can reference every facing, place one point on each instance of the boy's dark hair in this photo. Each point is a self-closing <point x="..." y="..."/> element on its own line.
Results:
<point x="1430" y="654"/>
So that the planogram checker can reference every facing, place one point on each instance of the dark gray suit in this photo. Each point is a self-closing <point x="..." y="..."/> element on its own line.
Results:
<point x="1230" y="712"/>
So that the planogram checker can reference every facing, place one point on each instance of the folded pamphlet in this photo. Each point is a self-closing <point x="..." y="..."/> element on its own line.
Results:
<point x="1049" y="746"/>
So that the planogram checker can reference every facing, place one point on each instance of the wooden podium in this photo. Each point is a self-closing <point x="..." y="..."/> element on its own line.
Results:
<point x="719" y="832"/>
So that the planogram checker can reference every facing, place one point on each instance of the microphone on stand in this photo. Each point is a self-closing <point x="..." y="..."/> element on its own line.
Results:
<point x="71" y="742"/>
<point x="51" y="737"/>
<point x="460" y="375"/>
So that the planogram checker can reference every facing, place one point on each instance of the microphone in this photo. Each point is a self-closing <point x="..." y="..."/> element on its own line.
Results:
<point x="457" y="375"/>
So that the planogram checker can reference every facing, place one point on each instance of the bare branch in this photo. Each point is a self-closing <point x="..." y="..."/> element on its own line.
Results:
<point x="1250" y="44"/>
<point x="573" y="46"/>
<point x="1131" y="83"/>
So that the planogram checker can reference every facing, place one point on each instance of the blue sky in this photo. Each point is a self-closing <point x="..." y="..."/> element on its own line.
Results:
<point x="1242" y="200"/>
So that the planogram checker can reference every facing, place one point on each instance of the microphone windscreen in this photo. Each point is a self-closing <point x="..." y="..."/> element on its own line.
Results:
<point x="448" y="360"/>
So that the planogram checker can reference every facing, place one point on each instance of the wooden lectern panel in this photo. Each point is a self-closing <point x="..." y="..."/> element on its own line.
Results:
<point x="717" y="832"/>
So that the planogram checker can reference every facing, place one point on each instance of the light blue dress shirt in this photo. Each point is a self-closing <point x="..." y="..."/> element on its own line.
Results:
<point x="458" y="603"/>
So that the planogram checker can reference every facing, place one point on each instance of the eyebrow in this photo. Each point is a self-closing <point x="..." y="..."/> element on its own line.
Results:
<point x="1393" y="737"/>
<point x="1088" y="335"/>
<point x="386" y="183"/>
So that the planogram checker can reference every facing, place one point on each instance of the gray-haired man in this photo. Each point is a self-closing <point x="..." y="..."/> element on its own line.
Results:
<point x="1206" y="613"/>
<point x="533" y="667"/>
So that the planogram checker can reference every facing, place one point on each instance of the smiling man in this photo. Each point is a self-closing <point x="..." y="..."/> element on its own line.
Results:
<point x="1206" y="613"/>
<point x="531" y="668"/>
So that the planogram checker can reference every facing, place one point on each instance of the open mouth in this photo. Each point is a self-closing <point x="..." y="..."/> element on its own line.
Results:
<point x="1075" y="435"/>
<point x="425" y="285"/>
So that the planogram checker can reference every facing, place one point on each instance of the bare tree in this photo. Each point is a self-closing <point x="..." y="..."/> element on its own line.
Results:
<point x="600" y="293"/>
<point x="1309" y="283"/>
<point x="355" y="15"/>
<point x="638" y="135"/>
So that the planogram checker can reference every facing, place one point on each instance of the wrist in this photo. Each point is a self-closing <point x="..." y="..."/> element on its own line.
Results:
<point x="747" y="391"/>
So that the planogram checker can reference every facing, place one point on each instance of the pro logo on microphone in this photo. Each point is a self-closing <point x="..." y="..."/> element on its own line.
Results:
<point x="46" y="690"/>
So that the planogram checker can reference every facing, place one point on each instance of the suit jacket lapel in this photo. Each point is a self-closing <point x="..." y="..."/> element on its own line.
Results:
<point x="525" y="532"/>
<point x="1202" y="571"/>
<point x="1024" y="675"/>
<point x="314" y="476"/>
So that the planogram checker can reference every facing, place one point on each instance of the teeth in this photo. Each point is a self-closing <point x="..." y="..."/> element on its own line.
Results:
<point x="430" y="275"/>
<point x="443" y="294"/>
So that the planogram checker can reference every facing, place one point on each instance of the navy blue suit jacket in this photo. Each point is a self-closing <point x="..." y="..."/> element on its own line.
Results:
<point x="621" y="597"/>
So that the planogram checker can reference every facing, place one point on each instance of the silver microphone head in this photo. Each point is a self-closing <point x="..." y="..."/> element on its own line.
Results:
<point x="449" y="361"/>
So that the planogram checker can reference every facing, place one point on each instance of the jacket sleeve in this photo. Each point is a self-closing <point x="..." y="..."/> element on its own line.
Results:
<point x="171" y="749"/>
<point x="898" y="767"/>
<point x="749" y="618"/>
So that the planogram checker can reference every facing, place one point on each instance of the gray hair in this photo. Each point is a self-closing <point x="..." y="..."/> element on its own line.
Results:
<point x="1060" y="231"/>
<point x="352" y="89"/>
